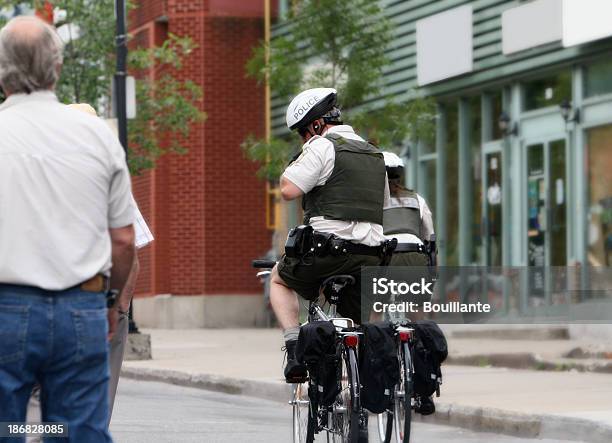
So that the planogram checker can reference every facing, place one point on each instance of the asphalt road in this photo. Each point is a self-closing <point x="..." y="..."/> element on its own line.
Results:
<point x="150" y="412"/>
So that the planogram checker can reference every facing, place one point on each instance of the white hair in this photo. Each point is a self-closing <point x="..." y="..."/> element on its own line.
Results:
<point x="30" y="56"/>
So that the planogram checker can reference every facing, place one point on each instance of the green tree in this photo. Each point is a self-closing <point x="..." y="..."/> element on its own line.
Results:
<point x="340" y="44"/>
<point x="166" y="107"/>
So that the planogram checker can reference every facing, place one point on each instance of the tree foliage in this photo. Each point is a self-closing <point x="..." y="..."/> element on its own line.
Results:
<point x="340" y="44"/>
<point x="166" y="106"/>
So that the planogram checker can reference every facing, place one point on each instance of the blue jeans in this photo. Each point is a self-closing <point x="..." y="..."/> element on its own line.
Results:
<point x="58" y="339"/>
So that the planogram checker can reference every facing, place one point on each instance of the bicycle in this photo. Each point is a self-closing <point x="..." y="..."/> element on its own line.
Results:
<point x="342" y="420"/>
<point x="397" y="421"/>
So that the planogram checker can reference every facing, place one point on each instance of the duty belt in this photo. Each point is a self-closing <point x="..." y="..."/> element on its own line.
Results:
<point x="324" y="244"/>
<point x="410" y="247"/>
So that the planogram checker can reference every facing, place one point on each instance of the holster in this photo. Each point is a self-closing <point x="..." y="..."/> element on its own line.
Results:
<point x="432" y="255"/>
<point x="387" y="251"/>
<point x="299" y="241"/>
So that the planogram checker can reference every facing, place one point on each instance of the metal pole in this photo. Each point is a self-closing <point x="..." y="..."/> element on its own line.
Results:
<point x="121" y="74"/>
<point x="267" y="20"/>
<point x="120" y="97"/>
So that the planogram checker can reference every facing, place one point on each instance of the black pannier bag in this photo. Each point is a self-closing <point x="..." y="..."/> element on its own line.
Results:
<point x="316" y="348"/>
<point x="428" y="352"/>
<point x="378" y="366"/>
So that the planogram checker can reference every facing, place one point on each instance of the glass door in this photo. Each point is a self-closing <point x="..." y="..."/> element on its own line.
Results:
<point x="546" y="219"/>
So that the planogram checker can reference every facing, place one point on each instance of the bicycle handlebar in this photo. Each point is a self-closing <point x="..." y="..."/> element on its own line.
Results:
<point x="259" y="264"/>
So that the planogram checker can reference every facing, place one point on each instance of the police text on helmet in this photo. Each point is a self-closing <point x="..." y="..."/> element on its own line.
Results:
<point x="305" y="107"/>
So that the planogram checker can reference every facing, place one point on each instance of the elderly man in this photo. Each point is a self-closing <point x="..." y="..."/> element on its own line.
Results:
<point x="66" y="230"/>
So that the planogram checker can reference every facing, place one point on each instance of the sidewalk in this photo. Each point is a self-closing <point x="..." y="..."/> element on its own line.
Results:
<point x="514" y="401"/>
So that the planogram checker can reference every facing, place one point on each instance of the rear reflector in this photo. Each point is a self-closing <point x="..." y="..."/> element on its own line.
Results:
<point x="405" y="336"/>
<point x="351" y="340"/>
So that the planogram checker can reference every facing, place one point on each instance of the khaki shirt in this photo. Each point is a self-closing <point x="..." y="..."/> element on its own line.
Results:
<point x="63" y="183"/>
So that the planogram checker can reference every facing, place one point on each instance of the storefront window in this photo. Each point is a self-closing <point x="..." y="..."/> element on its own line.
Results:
<point x="476" y="176"/>
<point x="598" y="78"/>
<point x="427" y="184"/>
<point x="548" y="91"/>
<point x="599" y="207"/>
<point x="452" y="183"/>
<point x="492" y="118"/>
<point x="493" y="211"/>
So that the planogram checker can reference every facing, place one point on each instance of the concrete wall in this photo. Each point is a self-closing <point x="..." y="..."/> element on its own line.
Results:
<point x="596" y="318"/>
<point x="199" y="311"/>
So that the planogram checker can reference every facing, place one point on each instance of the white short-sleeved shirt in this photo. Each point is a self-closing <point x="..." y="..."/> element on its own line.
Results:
<point x="314" y="166"/>
<point x="427" y="227"/>
<point x="63" y="183"/>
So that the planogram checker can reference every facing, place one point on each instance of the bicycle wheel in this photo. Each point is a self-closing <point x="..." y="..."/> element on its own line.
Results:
<point x="301" y="417"/>
<point x="345" y="417"/>
<point x="385" y="426"/>
<point x="402" y="406"/>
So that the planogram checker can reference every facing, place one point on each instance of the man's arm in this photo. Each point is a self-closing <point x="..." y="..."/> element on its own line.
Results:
<point x="130" y="287"/>
<point x="427" y="227"/>
<point x="312" y="168"/>
<point x="123" y="251"/>
<point x="289" y="191"/>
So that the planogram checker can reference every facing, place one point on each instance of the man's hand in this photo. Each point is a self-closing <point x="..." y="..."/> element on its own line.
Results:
<point x="113" y="319"/>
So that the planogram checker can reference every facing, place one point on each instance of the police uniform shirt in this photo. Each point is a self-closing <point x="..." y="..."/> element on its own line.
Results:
<point x="312" y="168"/>
<point x="427" y="227"/>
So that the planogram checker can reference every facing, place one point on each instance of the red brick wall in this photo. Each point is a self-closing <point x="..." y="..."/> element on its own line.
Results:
<point x="206" y="208"/>
<point x="147" y="12"/>
<point x="234" y="199"/>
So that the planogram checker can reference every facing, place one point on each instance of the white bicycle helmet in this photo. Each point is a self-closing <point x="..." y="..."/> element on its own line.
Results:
<point x="310" y="105"/>
<point x="393" y="160"/>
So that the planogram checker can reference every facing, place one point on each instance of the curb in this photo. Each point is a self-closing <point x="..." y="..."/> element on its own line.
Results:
<point x="527" y="360"/>
<point x="253" y="388"/>
<point x="544" y="426"/>
<point x="516" y="333"/>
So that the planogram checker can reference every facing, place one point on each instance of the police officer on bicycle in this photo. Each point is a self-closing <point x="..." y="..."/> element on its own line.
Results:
<point x="407" y="218"/>
<point x="342" y="181"/>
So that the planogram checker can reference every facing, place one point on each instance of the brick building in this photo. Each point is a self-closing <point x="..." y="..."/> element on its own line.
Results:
<point x="207" y="208"/>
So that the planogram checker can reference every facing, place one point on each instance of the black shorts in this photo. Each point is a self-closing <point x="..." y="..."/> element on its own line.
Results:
<point x="306" y="279"/>
<point x="409" y="259"/>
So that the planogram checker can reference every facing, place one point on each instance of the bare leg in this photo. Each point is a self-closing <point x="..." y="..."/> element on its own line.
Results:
<point x="286" y="307"/>
<point x="284" y="302"/>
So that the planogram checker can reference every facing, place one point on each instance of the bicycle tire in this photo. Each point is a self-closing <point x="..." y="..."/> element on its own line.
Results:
<point x="402" y="406"/>
<point x="301" y="414"/>
<point x="347" y="427"/>
<point x="385" y="426"/>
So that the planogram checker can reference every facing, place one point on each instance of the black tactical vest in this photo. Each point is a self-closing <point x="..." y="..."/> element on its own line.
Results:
<point x="355" y="190"/>
<point x="404" y="219"/>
